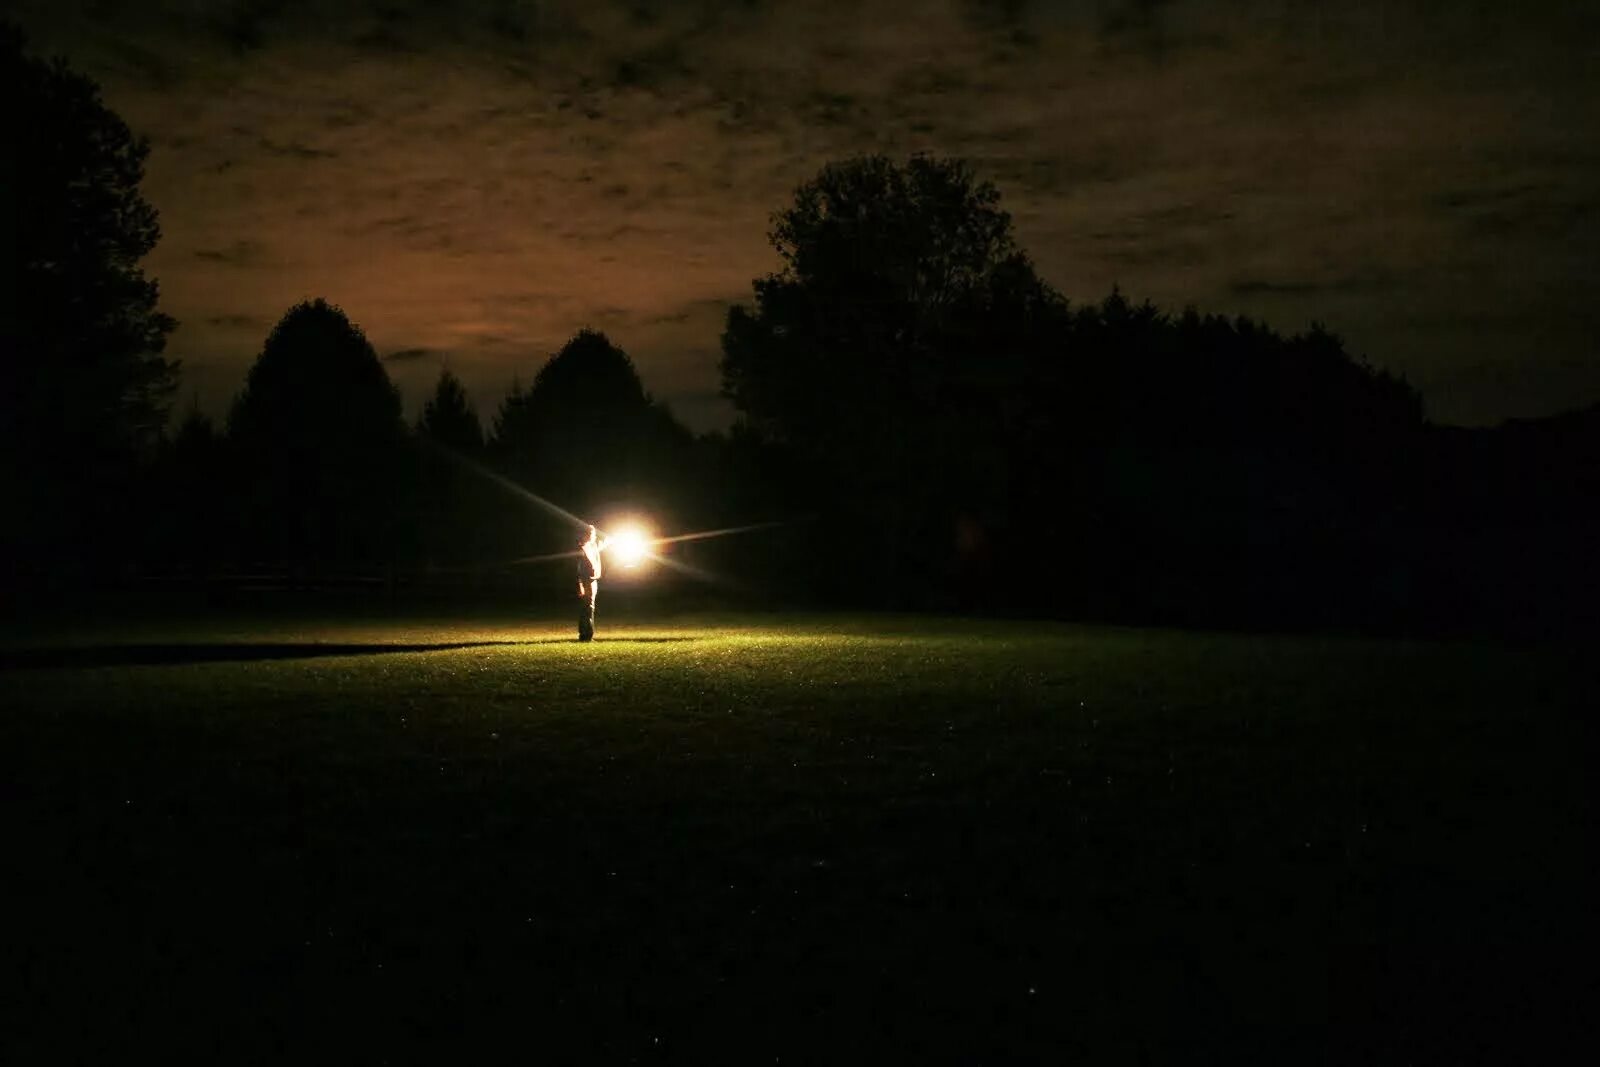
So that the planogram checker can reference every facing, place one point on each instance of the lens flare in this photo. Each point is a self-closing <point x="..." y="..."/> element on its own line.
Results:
<point x="629" y="545"/>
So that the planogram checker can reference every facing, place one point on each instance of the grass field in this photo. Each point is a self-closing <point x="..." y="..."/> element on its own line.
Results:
<point x="768" y="839"/>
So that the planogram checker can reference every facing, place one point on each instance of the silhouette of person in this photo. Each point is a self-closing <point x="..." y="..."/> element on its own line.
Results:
<point x="589" y="568"/>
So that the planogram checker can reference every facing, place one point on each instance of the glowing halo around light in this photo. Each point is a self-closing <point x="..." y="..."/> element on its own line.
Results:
<point x="629" y="545"/>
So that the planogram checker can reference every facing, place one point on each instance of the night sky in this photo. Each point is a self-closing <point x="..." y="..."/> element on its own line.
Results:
<point x="474" y="180"/>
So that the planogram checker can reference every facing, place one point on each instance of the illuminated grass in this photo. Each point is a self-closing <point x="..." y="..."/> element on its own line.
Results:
<point x="754" y="838"/>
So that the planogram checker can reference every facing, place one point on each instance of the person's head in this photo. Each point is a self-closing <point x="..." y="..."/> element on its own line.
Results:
<point x="594" y="535"/>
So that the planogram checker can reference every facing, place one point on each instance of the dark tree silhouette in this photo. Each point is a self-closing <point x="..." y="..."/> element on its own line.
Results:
<point x="881" y="261"/>
<point x="960" y="424"/>
<point x="192" y="532"/>
<point x="587" y="435"/>
<point x="1510" y="518"/>
<point x="83" y="388"/>
<point x="448" y="417"/>
<point x="1209" y="467"/>
<point x="319" y="434"/>
<point x="456" y="509"/>
<point x="884" y="353"/>
<point x="586" y="431"/>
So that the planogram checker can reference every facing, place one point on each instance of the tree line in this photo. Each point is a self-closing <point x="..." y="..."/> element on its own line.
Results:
<point x="315" y="476"/>
<point x="939" y="427"/>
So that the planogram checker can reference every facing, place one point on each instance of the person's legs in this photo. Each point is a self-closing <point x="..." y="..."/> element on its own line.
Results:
<point x="586" y="611"/>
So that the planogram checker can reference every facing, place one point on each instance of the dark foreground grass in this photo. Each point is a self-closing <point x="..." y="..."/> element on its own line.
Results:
<point x="817" y="840"/>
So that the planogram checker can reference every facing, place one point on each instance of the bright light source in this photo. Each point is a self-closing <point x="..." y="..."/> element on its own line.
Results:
<point x="629" y="545"/>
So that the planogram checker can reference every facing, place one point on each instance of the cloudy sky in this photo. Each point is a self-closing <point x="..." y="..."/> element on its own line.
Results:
<point x="474" y="180"/>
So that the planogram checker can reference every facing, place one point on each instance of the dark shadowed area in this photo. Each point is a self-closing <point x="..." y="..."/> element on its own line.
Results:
<point x="737" y="839"/>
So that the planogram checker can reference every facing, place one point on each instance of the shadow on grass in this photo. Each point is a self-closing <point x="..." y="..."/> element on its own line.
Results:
<point x="607" y="640"/>
<point x="154" y="655"/>
<point x="233" y="652"/>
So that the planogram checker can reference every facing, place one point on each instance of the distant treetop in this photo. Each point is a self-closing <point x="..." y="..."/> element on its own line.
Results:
<point x="448" y="417"/>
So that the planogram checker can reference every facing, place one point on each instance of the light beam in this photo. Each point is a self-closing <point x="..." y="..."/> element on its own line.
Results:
<point x="635" y="544"/>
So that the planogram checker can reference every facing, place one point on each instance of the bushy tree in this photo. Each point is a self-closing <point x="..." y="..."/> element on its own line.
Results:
<point x="884" y="265"/>
<point x="884" y="351"/>
<point x="958" y="423"/>
<point x="456" y="506"/>
<point x="1208" y="465"/>
<point x="587" y="433"/>
<point x="448" y="417"/>
<point x="83" y="387"/>
<point x="194" y="529"/>
<point x="319" y="433"/>
<point x="586" y="436"/>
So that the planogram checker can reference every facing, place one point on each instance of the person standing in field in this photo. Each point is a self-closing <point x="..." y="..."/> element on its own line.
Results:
<point x="589" y="569"/>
